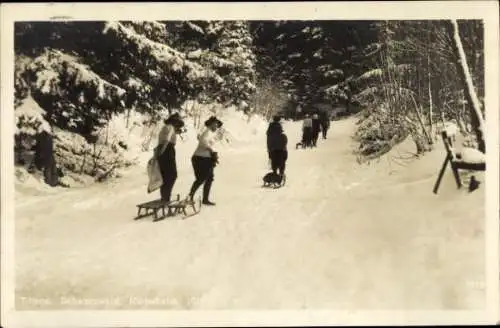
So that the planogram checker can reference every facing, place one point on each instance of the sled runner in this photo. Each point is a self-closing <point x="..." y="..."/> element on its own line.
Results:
<point x="181" y="206"/>
<point x="170" y="208"/>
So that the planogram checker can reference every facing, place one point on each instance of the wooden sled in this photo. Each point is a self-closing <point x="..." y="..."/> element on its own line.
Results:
<point x="457" y="163"/>
<point x="275" y="185"/>
<point x="303" y="145"/>
<point x="182" y="206"/>
<point x="171" y="208"/>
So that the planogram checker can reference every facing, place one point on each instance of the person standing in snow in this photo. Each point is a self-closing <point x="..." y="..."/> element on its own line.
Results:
<point x="315" y="129"/>
<point x="165" y="153"/>
<point x="44" y="157"/>
<point x="324" y="122"/>
<point x="307" y="131"/>
<point x="205" y="159"/>
<point x="277" y="146"/>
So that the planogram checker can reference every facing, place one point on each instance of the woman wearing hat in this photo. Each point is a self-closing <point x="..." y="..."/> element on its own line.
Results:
<point x="165" y="152"/>
<point x="204" y="160"/>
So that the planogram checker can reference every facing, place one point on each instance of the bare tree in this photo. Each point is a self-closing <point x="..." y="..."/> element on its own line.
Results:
<point x="268" y="99"/>
<point x="477" y="120"/>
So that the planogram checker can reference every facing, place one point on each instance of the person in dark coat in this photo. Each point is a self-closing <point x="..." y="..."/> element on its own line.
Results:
<point x="316" y="127"/>
<point x="204" y="160"/>
<point x="307" y="131"/>
<point x="277" y="146"/>
<point x="44" y="158"/>
<point x="273" y="127"/>
<point x="165" y="152"/>
<point x="324" y="122"/>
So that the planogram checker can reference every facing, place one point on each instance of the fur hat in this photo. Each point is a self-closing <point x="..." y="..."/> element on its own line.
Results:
<point x="213" y="119"/>
<point x="174" y="119"/>
<point x="174" y="116"/>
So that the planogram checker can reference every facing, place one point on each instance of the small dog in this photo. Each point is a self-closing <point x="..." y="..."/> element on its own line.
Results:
<point x="272" y="179"/>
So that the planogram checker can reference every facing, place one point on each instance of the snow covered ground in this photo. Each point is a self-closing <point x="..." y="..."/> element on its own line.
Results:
<point x="337" y="236"/>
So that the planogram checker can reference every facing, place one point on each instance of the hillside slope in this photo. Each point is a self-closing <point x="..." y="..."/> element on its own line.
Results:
<point x="337" y="236"/>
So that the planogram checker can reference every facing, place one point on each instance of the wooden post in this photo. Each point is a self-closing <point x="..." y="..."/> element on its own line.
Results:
<point x="441" y="173"/>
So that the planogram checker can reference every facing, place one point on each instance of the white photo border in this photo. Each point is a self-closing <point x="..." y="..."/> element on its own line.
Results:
<point x="394" y="10"/>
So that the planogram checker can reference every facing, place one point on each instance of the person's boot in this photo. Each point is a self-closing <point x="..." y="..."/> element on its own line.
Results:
<point x="193" y="190"/>
<point x="206" y="193"/>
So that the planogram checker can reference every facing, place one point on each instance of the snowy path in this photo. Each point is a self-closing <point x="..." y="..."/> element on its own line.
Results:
<point x="337" y="236"/>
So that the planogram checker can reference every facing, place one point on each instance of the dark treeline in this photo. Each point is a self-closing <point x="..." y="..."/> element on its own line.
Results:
<point x="400" y="77"/>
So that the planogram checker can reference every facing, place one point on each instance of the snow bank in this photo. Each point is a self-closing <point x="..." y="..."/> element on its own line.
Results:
<point x="125" y="130"/>
<point x="238" y="131"/>
<point x="133" y="143"/>
<point x="450" y="128"/>
<point x="28" y="184"/>
<point x="238" y="127"/>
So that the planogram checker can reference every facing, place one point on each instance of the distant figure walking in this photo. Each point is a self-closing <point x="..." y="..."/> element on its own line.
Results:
<point x="315" y="129"/>
<point x="298" y="111"/>
<point x="277" y="146"/>
<point x="307" y="126"/>
<point x="165" y="153"/>
<point x="205" y="159"/>
<point x="324" y="122"/>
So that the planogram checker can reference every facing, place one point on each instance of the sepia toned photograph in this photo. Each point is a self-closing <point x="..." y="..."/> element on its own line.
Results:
<point x="251" y="164"/>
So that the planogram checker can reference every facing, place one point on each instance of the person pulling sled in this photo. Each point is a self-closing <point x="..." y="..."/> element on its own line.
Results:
<point x="277" y="152"/>
<point x="162" y="172"/>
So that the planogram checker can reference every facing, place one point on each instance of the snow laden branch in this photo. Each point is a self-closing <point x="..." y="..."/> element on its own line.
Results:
<point x="29" y="118"/>
<point x="209" y="59"/>
<point x="167" y="58"/>
<point x="375" y="75"/>
<point x="152" y="30"/>
<point x="167" y="75"/>
<point x="55" y="73"/>
<point x="72" y="95"/>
